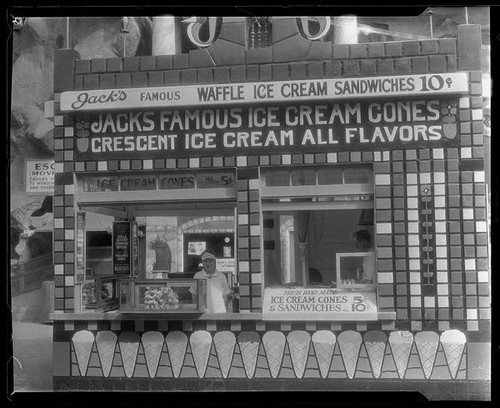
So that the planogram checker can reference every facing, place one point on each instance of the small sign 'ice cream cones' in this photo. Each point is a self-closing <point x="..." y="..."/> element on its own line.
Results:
<point x="82" y="342"/>
<point x="350" y="343"/>
<point x="176" y="346"/>
<point x="427" y="343"/>
<point x="453" y="342"/>
<point x="274" y="345"/>
<point x="201" y="343"/>
<point x="129" y="346"/>
<point x="249" y="343"/>
<point x="324" y="344"/>
<point x="106" y="345"/>
<point x="375" y="344"/>
<point x="225" y="342"/>
<point x="401" y="343"/>
<point x="299" y="342"/>
<point x="152" y="342"/>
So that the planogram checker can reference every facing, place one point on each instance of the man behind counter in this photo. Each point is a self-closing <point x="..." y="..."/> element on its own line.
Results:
<point x="363" y="241"/>
<point x="217" y="288"/>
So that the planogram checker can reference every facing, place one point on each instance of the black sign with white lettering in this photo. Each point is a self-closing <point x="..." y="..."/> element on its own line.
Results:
<point x="248" y="130"/>
<point x="122" y="247"/>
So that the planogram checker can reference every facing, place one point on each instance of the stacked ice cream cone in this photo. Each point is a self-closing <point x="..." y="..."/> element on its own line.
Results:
<point x="201" y="343"/>
<point x="274" y="345"/>
<point x="83" y="341"/>
<point x="453" y="342"/>
<point x="401" y="343"/>
<point x="176" y="345"/>
<point x="324" y="345"/>
<point x="152" y="342"/>
<point x="129" y="347"/>
<point x="298" y="343"/>
<point x="249" y="343"/>
<point x="224" y="342"/>
<point x="350" y="343"/>
<point x="106" y="345"/>
<point x="375" y="344"/>
<point x="427" y="343"/>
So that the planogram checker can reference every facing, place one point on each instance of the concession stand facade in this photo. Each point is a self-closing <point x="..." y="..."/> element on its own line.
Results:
<point x="276" y="158"/>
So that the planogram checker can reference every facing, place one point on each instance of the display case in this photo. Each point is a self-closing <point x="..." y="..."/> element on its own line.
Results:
<point x="100" y="293"/>
<point x="163" y="295"/>
<point x="355" y="270"/>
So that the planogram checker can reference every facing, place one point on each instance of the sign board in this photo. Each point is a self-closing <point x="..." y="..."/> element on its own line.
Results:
<point x="170" y="181"/>
<point x="226" y="264"/>
<point x="282" y="128"/>
<point x="174" y="181"/>
<point x="214" y="180"/>
<point x="135" y="248"/>
<point x="332" y="89"/>
<point x="40" y="176"/>
<point x="122" y="247"/>
<point x="95" y="184"/>
<point x="318" y="304"/>
<point x="80" y="259"/>
<point x="138" y="183"/>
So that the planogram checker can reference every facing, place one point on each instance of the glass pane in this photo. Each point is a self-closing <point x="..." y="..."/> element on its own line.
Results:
<point x="329" y="175"/>
<point x="303" y="177"/>
<point x="277" y="178"/>
<point x="357" y="175"/>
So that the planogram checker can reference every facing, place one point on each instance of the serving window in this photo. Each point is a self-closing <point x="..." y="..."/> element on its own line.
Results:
<point x="147" y="245"/>
<point x="313" y="218"/>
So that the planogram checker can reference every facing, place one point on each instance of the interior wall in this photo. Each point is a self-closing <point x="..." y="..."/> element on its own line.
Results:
<point x="331" y="232"/>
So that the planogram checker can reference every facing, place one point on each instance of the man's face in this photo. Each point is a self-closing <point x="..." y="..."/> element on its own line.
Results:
<point x="209" y="265"/>
<point x="362" y="244"/>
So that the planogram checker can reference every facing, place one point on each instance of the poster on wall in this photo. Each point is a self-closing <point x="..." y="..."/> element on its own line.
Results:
<point x="226" y="265"/>
<point x="196" y="248"/>
<point x="122" y="247"/>
<point x="39" y="176"/>
<point x="161" y="247"/>
<point x="80" y="261"/>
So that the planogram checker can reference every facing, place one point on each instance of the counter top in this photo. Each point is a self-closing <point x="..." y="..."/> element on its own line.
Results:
<point x="117" y="315"/>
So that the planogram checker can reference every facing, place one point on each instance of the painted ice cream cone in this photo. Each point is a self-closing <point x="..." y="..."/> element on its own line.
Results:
<point x="375" y="344"/>
<point x="350" y="343"/>
<point x="453" y="342"/>
<point x="249" y="343"/>
<point x="299" y="342"/>
<point x="427" y="343"/>
<point x="401" y="343"/>
<point x="152" y="342"/>
<point x="82" y="342"/>
<point x="129" y="346"/>
<point x="324" y="344"/>
<point x="225" y="342"/>
<point x="201" y="343"/>
<point x="176" y="346"/>
<point x="106" y="345"/>
<point x="274" y="345"/>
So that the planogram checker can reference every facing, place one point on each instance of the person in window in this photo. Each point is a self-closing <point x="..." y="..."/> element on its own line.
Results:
<point x="218" y="291"/>
<point x="315" y="277"/>
<point x="363" y="241"/>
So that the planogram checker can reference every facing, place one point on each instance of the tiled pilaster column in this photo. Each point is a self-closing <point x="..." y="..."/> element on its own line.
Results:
<point x="249" y="237"/>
